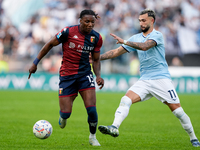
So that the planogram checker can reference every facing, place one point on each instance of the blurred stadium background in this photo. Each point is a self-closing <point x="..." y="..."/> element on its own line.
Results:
<point x="25" y="25"/>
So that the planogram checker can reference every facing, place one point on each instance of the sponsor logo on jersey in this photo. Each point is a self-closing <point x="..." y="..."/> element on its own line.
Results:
<point x="87" y="48"/>
<point x="71" y="45"/>
<point x="92" y="38"/>
<point x="81" y="48"/>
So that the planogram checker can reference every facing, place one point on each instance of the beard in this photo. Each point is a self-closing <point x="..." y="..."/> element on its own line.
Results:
<point x="145" y="29"/>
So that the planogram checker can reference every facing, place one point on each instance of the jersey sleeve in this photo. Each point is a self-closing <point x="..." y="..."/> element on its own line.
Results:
<point x="98" y="45"/>
<point x="62" y="36"/>
<point x="157" y="37"/>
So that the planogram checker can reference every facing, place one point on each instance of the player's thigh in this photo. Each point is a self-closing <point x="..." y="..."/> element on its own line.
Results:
<point x="67" y="93"/>
<point x="89" y="97"/>
<point x="164" y="90"/>
<point x="141" y="89"/>
<point x="66" y="103"/>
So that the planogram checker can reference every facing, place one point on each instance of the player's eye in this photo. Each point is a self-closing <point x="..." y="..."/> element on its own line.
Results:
<point x="142" y="20"/>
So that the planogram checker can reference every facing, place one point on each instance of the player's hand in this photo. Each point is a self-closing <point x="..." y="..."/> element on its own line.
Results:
<point x="32" y="70"/>
<point x="100" y="82"/>
<point x="119" y="40"/>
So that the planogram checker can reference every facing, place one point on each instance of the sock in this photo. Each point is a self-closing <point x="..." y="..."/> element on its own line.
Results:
<point x="64" y="115"/>
<point x="185" y="122"/>
<point x="92" y="118"/>
<point x="122" y="111"/>
<point x="93" y="136"/>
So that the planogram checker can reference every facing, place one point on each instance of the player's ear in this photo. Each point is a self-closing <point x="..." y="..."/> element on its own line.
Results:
<point x="152" y="20"/>
<point x="80" y="21"/>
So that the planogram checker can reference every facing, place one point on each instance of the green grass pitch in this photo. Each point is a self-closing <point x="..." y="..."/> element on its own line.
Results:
<point x="149" y="126"/>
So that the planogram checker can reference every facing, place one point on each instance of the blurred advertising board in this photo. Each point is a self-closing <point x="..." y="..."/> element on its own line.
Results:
<point x="113" y="82"/>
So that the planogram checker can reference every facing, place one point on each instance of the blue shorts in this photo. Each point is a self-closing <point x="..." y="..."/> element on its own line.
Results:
<point x="71" y="85"/>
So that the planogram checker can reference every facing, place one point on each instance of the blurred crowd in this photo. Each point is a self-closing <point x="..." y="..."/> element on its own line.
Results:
<point x="178" y="20"/>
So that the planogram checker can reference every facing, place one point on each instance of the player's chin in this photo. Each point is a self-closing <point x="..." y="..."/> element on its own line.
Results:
<point x="142" y="28"/>
<point x="89" y="30"/>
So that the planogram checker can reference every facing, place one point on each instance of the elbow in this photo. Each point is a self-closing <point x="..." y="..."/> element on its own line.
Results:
<point x="144" y="48"/>
<point x="96" y="60"/>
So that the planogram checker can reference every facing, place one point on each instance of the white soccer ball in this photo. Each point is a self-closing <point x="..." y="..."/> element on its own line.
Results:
<point x="42" y="129"/>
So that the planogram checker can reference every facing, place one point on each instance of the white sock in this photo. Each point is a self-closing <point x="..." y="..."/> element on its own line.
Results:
<point x="185" y="122"/>
<point x="92" y="136"/>
<point x="122" y="111"/>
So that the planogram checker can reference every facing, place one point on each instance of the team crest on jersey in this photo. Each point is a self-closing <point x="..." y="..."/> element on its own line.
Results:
<point x="92" y="38"/>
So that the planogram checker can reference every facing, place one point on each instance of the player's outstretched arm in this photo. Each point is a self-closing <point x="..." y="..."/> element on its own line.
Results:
<point x="137" y="45"/>
<point x="45" y="49"/>
<point x="113" y="53"/>
<point x="142" y="46"/>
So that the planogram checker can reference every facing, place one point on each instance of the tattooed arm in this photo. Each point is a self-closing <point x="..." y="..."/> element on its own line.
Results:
<point x="142" y="46"/>
<point x="137" y="45"/>
<point x="113" y="53"/>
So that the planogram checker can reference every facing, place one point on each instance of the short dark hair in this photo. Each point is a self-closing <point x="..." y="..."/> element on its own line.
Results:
<point x="150" y="13"/>
<point x="88" y="12"/>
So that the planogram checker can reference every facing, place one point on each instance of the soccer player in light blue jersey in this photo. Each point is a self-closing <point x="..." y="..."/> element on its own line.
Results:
<point x="155" y="80"/>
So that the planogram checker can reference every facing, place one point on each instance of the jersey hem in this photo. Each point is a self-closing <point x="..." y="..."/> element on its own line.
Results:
<point x="68" y="95"/>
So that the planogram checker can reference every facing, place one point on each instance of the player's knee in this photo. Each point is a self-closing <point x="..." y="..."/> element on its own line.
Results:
<point x="92" y="114"/>
<point x="126" y="101"/>
<point x="65" y="115"/>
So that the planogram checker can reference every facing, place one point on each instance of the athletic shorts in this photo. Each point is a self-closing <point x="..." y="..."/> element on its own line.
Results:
<point x="71" y="85"/>
<point x="162" y="89"/>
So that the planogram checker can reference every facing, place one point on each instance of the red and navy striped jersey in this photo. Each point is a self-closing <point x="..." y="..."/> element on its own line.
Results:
<point x="76" y="48"/>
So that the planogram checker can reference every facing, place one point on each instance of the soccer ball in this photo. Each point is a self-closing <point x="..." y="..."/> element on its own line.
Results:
<point x="42" y="129"/>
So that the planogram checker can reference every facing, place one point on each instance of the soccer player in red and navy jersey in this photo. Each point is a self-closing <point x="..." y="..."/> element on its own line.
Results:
<point x="78" y="42"/>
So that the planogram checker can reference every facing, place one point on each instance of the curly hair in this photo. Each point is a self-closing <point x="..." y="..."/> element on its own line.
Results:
<point x="88" y="12"/>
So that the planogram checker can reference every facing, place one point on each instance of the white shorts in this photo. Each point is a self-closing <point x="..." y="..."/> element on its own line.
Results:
<point x="162" y="89"/>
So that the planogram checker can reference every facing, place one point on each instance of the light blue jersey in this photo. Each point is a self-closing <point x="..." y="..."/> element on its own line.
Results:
<point x="152" y="62"/>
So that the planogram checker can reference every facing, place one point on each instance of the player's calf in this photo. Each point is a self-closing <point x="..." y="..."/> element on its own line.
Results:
<point x="92" y="118"/>
<point x="63" y="119"/>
